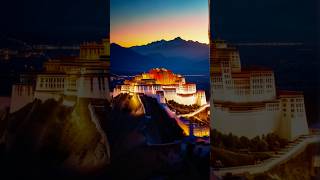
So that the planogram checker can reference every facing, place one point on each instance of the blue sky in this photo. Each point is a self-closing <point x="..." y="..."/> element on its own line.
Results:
<point x="135" y="22"/>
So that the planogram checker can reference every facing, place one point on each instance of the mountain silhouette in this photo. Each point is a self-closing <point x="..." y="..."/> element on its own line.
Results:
<point x="126" y="60"/>
<point x="177" y="55"/>
<point x="175" y="48"/>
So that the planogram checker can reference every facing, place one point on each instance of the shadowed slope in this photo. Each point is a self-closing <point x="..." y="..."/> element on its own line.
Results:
<point x="50" y="138"/>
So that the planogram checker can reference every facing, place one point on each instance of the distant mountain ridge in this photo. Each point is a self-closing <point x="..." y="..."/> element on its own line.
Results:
<point x="124" y="59"/>
<point x="177" y="47"/>
<point x="179" y="55"/>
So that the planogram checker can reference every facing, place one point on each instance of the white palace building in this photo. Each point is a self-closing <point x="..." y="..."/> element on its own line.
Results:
<point x="163" y="84"/>
<point x="245" y="102"/>
<point x="85" y="76"/>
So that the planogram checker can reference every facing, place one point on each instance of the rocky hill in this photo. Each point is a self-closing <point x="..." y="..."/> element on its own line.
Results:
<point x="50" y="138"/>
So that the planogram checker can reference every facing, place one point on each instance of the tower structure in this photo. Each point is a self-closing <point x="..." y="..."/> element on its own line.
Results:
<point x="246" y="102"/>
<point x="85" y="76"/>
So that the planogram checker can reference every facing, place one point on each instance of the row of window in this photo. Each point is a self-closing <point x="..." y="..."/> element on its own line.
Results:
<point x="273" y="107"/>
<point x="261" y="74"/>
<point x="292" y="100"/>
<point x="292" y="110"/>
<point x="217" y="86"/>
<point x="146" y="88"/>
<point x="241" y="82"/>
<point x="262" y="80"/>
<point x="54" y="79"/>
<point x="51" y="85"/>
<point x="242" y="92"/>
<point x="293" y="115"/>
<point x="260" y="91"/>
<point x="217" y="79"/>
<point x="20" y="90"/>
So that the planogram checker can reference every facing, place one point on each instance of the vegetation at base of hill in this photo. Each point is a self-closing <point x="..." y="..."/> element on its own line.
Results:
<point x="225" y="158"/>
<point x="269" y="142"/>
<point x="180" y="108"/>
<point x="298" y="168"/>
<point x="230" y="150"/>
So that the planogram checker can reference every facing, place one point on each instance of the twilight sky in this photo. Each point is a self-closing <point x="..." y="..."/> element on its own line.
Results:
<point x="138" y="22"/>
<point x="233" y="20"/>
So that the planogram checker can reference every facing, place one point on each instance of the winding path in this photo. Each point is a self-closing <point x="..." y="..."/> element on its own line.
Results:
<point x="283" y="156"/>
<point x="194" y="112"/>
<point x="96" y="122"/>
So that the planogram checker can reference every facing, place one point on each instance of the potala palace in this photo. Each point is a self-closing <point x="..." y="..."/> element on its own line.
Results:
<point x="85" y="76"/>
<point x="245" y="102"/>
<point x="166" y="85"/>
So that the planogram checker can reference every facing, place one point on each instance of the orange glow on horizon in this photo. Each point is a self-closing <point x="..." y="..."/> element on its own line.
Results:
<point x="188" y="27"/>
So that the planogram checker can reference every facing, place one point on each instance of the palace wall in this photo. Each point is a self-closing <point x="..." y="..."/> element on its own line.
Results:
<point x="21" y="95"/>
<point x="245" y="123"/>
<point x="93" y="87"/>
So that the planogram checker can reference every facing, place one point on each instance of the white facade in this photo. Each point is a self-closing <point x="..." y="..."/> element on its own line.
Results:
<point x="56" y="86"/>
<point x="21" y="95"/>
<point x="245" y="101"/>
<point x="245" y="123"/>
<point x="180" y="91"/>
<point x="85" y="77"/>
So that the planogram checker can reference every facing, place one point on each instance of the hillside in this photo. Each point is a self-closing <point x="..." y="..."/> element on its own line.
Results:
<point x="46" y="138"/>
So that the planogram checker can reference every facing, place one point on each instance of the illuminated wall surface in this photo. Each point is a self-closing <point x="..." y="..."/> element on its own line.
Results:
<point x="256" y="96"/>
<point x="163" y="81"/>
<point x="246" y="102"/>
